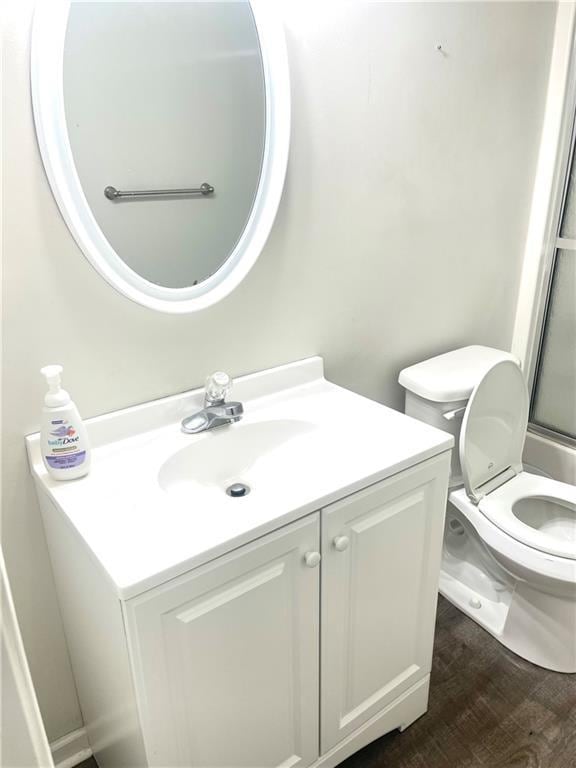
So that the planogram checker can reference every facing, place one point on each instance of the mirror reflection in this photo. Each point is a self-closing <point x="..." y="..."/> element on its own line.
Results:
<point x="166" y="116"/>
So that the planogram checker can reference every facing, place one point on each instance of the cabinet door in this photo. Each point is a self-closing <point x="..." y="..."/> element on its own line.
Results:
<point x="226" y="658"/>
<point x="381" y="553"/>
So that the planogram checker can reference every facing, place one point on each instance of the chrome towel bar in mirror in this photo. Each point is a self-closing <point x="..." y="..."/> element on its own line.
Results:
<point x="114" y="194"/>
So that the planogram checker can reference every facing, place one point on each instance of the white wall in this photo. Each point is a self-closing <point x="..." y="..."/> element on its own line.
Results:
<point x="400" y="235"/>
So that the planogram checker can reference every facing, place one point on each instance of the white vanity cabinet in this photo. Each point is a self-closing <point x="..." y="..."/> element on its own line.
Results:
<point x="226" y="658"/>
<point x="291" y="651"/>
<point x="284" y="629"/>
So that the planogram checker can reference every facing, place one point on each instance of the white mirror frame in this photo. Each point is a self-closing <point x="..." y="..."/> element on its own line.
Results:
<point x="47" y="61"/>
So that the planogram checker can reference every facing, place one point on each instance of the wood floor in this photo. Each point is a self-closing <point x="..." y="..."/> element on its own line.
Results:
<point x="488" y="709"/>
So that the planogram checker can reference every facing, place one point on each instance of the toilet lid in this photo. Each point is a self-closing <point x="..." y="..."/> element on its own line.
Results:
<point x="494" y="428"/>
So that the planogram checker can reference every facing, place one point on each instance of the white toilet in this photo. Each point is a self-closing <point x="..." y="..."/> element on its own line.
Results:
<point x="509" y="559"/>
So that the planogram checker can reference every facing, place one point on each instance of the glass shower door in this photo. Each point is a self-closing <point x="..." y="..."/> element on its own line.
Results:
<point x="553" y="407"/>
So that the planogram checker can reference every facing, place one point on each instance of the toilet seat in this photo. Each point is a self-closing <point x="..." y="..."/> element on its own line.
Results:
<point x="525" y="558"/>
<point x="536" y="511"/>
<point x="493" y="430"/>
<point x="559" y="540"/>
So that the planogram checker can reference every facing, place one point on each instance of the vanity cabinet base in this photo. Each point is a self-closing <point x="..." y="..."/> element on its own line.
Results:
<point x="399" y="715"/>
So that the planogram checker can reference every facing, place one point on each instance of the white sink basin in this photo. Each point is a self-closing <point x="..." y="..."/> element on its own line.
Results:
<point x="154" y="504"/>
<point x="256" y="454"/>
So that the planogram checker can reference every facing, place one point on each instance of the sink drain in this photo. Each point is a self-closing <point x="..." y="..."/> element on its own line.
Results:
<point x="236" y="490"/>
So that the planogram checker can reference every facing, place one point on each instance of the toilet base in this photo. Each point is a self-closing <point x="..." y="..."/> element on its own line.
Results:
<point x="542" y="629"/>
<point x="538" y="626"/>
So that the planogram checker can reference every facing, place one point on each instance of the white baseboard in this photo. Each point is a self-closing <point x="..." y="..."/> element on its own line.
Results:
<point x="70" y="750"/>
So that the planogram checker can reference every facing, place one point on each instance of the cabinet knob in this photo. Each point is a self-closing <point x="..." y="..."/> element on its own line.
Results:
<point x="312" y="559"/>
<point x="341" y="543"/>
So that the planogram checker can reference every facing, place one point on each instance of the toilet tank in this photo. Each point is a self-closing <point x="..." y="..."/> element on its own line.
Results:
<point x="438" y="389"/>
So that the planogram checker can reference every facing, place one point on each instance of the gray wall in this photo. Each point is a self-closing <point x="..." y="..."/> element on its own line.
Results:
<point x="400" y="235"/>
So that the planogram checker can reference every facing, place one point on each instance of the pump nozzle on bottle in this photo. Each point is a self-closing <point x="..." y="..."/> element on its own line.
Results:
<point x="52" y="374"/>
<point x="56" y="395"/>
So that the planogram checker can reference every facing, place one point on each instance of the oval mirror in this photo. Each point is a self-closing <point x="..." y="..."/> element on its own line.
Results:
<point x="164" y="130"/>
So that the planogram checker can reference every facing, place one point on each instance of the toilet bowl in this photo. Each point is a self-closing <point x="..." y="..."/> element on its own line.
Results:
<point x="531" y="607"/>
<point x="509" y="559"/>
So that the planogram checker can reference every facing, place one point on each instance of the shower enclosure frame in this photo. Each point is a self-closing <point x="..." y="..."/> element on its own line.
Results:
<point x="552" y="243"/>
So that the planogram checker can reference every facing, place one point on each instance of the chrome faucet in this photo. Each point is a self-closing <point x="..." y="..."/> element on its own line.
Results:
<point x="216" y="411"/>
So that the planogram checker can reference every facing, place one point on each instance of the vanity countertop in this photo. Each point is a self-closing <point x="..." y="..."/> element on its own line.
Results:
<point x="154" y="504"/>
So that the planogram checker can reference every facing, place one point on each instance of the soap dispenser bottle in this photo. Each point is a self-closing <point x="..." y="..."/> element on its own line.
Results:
<point x="63" y="438"/>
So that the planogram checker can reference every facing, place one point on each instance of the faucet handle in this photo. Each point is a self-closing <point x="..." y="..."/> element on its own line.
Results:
<point x="218" y="384"/>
